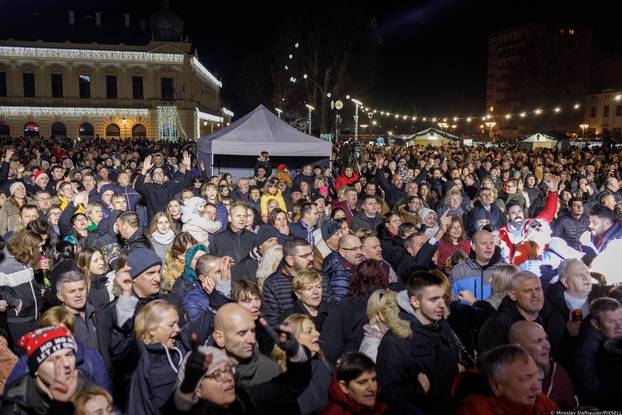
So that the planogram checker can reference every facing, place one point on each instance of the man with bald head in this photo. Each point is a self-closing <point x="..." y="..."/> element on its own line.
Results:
<point x="556" y="383"/>
<point x="234" y="332"/>
<point x="475" y="274"/>
<point x="338" y="266"/>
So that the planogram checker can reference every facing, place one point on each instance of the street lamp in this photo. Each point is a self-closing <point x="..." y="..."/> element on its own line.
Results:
<point x="357" y="104"/>
<point x="583" y="127"/>
<point x="490" y="125"/>
<point x="310" y="108"/>
<point x="278" y="111"/>
<point x="124" y="122"/>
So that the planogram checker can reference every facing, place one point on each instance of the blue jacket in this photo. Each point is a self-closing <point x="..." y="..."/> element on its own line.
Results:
<point x="195" y="301"/>
<point x="88" y="360"/>
<point x="299" y="230"/>
<point x="338" y="271"/>
<point x="469" y="275"/>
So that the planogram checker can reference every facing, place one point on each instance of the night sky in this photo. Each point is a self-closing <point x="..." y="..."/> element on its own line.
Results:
<point x="433" y="55"/>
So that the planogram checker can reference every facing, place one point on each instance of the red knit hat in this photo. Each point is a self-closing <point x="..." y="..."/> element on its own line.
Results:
<point x="42" y="343"/>
<point x="281" y="167"/>
<point x="38" y="173"/>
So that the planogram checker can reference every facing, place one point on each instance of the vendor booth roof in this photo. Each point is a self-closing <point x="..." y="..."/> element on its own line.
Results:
<point x="538" y="137"/>
<point x="261" y="130"/>
<point x="430" y="133"/>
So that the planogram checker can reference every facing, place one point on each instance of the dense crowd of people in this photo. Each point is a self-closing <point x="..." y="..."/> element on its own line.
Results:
<point x="398" y="280"/>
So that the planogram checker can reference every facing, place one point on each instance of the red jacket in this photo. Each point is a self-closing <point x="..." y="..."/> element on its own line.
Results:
<point x="343" y="180"/>
<point x="547" y="214"/>
<point x="446" y="249"/>
<point x="341" y="404"/>
<point x="484" y="405"/>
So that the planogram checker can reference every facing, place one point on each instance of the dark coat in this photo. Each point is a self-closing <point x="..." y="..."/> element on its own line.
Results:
<point x="153" y="381"/>
<point x="496" y="328"/>
<point x="246" y="269"/>
<point x="393" y="250"/>
<point x="420" y="262"/>
<point x="323" y="311"/>
<point x="362" y="221"/>
<point x="391" y="193"/>
<point x="234" y="244"/>
<point x="570" y="229"/>
<point x="342" y="330"/>
<point x="588" y="362"/>
<point x="430" y="350"/>
<point x="338" y="271"/>
<point x="495" y="216"/>
<point x="157" y="196"/>
<point x="137" y="240"/>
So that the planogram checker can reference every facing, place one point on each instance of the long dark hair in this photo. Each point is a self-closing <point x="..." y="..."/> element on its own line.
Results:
<point x="368" y="277"/>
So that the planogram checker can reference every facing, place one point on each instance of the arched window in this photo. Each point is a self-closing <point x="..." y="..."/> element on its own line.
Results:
<point x="31" y="130"/>
<point x="139" y="131"/>
<point x="86" y="131"/>
<point x="5" y="130"/>
<point x="113" y="131"/>
<point x="59" y="130"/>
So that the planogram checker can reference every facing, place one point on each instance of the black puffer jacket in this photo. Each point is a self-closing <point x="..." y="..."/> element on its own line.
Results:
<point x="431" y="350"/>
<point x="234" y="244"/>
<point x="588" y="362"/>
<point x="571" y="229"/>
<point x="342" y="330"/>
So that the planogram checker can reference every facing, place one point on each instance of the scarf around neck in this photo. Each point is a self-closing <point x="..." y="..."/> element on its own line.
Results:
<point x="163" y="238"/>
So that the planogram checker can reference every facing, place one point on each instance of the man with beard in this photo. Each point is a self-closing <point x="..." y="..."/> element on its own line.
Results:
<point x="513" y="234"/>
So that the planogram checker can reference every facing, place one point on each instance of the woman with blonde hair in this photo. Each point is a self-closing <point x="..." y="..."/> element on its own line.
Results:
<point x="93" y="400"/>
<point x="156" y="327"/>
<point x="175" y="261"/>
<point x="18" y="286"/>
<point x="315" y="396"/>
<point x="161" y="233"/>
<point x="307" y="288"/>
<point x="383" y="314"/>
<point x="269" y="263"/>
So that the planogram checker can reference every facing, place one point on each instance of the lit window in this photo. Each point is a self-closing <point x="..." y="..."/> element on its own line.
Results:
<point x="571" y="31"/>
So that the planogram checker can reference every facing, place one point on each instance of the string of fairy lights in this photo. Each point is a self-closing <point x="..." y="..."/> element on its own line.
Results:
<point x="487" y="118"/>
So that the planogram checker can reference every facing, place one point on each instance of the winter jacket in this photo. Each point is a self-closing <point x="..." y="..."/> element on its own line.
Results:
<point x="153" y="381"/>
<point x="588" y="362"/>
<point x="157" y="195"/>
<point x="431" y="350"/>
<point x="338" y="271"/>
<point x="496" y="328"/>
<point x="7" y="362"/>
<point x="345" y="181"/>
<point x="137" y="240"/>
<point x="278" y="296"/>
<point x="160" y="248"/>
<point x="393" y="250"/>
<point x="391" y="193"/>
<point x="197" y="300"/>
<point x="341" y="404"/>
<point x="24" y="397"/>
<point x="466" y="321"/>
<point x="246" y="269"/>
<point x="470" y="275"/>
<point x="349" y="211"/>
<point x="323" y="311"/>
<point x="343" y="328"/>
<point x="315" y="397"/>
<point x="362" y="221"/>
<point x="199" y="227"/>
<point x="302" y="230"/>
<point x="234" y="244"/>
<point x="88" y="360"/>
<point x="266" y="164"/>
<point x="265" y="200"/>
<point x="9" y="217"/>
<point x="570" y="229"/>
<point x="558" y="386"/>
<point x="494" y="215"/>
<point x="20" y="290"/>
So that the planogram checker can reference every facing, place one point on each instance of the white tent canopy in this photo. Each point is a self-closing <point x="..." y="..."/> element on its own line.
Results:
<point x="258" y="131"/>
<point x="261" y="130"/>
<point x="539" y="140"/>
<point x="432" y="136"/>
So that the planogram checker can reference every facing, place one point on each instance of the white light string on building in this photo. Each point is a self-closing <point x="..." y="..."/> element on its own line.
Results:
<point x="74" y="111"/>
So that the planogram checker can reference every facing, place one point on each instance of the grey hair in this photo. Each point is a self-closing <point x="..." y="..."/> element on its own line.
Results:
<point x="67" y="277"/>
<point x="563" y="267"/>
<point x="269" y="262"/>
<point x="520" y="276"/>
<point x="492" y="364"/>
